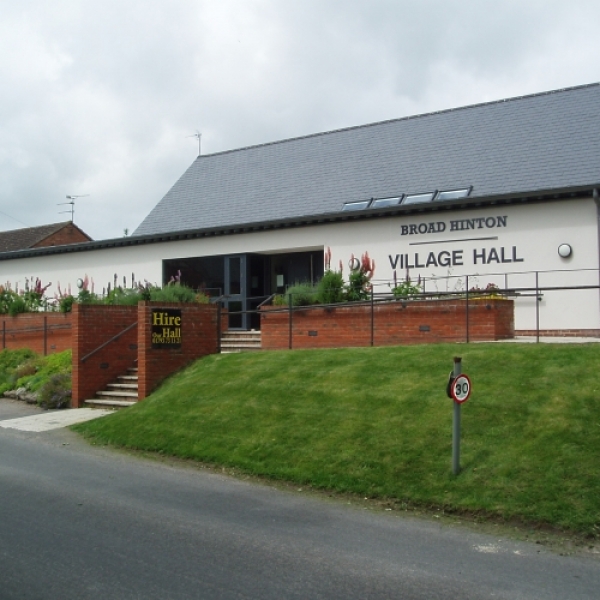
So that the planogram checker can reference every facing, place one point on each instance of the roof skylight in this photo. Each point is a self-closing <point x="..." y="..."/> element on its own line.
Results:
<point x="356" y="205"/>
<point x="418" y="198"/>
<point x="453" y="194"/>
<point x="382" y="202"/>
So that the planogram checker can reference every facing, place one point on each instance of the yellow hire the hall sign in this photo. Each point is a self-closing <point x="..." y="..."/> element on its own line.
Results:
<point x="166" y="327"/>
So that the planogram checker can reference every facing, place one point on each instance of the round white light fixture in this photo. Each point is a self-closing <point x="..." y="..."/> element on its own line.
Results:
<point x="565" y="250"/>
<point x="354" y="264"/>
<point x="80" y="283"/>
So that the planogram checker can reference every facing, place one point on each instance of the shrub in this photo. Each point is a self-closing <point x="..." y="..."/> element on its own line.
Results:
<point x="173" y="293"/>
<point x="17" y="306"/>
<point x="87" y="297"/>
<point x="279" y="300"/>
<point x="10" y="360"/>
<point x="65" y="304"/>
<point x="359" y="280"/>
<point x="407" y="288"/>
<point x="123" y="297"/>
<point x="303" y="294"/>
<point x="330" y="289"/>
<point x="28" y="300"/>
<point x="56" y="391"/>
<point x="37" y="370"/>
<point x="202" y="298"/>
<point x="491" y="291"/>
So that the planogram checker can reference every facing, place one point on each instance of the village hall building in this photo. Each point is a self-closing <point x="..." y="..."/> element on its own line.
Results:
<point x="502" y="193"/>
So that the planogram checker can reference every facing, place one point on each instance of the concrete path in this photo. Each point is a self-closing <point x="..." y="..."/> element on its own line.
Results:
<point x="54" y="419"/>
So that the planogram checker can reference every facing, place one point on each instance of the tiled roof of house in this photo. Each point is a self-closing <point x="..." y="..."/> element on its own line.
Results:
<point x="29" y="237"/>
<point x="539" y="142"/>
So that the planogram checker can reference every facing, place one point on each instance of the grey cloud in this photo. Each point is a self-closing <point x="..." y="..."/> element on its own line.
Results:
<point x="99" y="98"/>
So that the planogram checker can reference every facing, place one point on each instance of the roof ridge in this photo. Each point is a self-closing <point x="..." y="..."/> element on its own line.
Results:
<point x="399" y="119"/>
<point x="43" y="226"/>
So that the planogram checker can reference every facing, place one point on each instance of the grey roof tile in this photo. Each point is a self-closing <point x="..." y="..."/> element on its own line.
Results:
<point x="524" y="144"/>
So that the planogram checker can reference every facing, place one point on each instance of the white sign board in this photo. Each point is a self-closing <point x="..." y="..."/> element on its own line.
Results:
<point x="461" y="389"/>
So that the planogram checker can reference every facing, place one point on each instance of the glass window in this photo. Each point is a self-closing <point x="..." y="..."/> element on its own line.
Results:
<point x="417" y="198"/>
<point x="356" y="205"/>
<point x="452" y="194"/>
<point x="382" y="202"/>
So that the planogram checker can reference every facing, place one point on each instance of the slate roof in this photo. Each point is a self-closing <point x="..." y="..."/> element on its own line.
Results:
<point x="531" y="143"/>
<point x="21" y="239"/>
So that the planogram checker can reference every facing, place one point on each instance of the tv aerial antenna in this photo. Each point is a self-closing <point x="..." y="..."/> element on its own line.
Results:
<point x="71" y="202"/>
<point x="198" y="136"/>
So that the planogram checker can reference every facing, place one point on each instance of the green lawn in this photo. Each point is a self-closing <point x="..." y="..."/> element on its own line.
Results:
<point x="377" y="422"/>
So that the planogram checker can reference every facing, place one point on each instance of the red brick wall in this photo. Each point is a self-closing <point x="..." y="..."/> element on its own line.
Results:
<point x="92" y="326"/>
<point x="395" y="323"/>
<point x="69" y="234"/>
<point x="27" y="331"/>
<point x="199" y="337"/>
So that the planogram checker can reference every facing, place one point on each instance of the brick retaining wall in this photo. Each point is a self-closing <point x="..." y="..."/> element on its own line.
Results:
<point x="44" y="333"/>
<point x="199" y="337"/>
<point x="94" y="325"/>
<point x="396" y="322"/>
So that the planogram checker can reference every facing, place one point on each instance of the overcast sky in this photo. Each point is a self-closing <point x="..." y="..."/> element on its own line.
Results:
<point x="100" y="98"/>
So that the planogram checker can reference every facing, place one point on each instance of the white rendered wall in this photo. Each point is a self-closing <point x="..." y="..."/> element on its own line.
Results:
<point x="526" y="241"/>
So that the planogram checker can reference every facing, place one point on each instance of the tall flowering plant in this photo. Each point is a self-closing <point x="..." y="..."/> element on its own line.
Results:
<point x="359" y="280"/>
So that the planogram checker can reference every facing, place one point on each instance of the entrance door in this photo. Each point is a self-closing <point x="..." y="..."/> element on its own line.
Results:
<point x="235" y="291"/>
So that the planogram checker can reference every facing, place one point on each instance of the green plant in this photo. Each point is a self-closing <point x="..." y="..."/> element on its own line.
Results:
<point x="56" y="391"/>
<point x="24" y="368"/>
<point x="330" y="289"/>
<point x="407" y="288"/>
<point x="359" y="280"/>
<point x="302" y="294"/>
<point x="202" y="298"/>
<point x="65" y="303"/>
<point x="87" y="297"/>
<point x="123" y="297"/>
<point x="17" y="306"/>
<point x="27" y="368"/>
<point x="173" y="293"/>
<point x="33" y="373"/>
<point x="10" y="360"/>
<point x="279" y="300"/>
<point x="491" y="290"/>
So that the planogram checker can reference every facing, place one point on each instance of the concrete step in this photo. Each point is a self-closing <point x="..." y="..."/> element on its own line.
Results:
<point x="240" y="341"/>
<point x="117" y="394"/>
<point x="246" y="334"/>
<point x="96" y="403"/>
<point x="122" y="386"/>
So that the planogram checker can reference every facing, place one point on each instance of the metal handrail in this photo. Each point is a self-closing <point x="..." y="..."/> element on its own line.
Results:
<point x="112" y="339"/>
<point x="268" y="299"/>
<point x="49" y="328"/>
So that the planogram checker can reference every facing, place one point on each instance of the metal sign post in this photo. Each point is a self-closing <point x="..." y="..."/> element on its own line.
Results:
<point x="459" y="389"/>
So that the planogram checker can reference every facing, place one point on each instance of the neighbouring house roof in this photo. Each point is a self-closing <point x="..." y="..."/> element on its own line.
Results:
<point x="56" y="234"/>
<point x="525" y="145"/>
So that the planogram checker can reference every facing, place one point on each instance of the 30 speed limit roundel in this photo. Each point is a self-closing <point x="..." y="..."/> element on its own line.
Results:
<point x="461" y="389"/>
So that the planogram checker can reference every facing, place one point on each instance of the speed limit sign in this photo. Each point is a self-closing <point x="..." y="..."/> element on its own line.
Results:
<point x="461" y="389"/>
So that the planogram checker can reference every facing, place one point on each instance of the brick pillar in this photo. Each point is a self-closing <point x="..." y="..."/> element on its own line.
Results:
<point x="93" y="326"/>
<point x="199" y="337"/>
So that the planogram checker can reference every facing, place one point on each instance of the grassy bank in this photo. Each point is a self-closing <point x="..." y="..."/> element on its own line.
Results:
<point x="377" y="422"/>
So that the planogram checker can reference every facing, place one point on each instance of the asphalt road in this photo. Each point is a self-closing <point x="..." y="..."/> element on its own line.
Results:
<point x="82" y="522"/>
